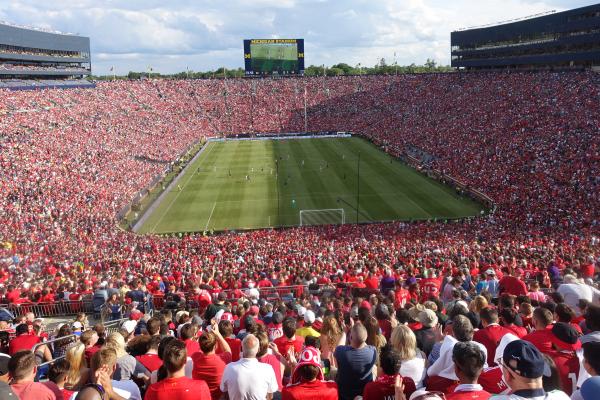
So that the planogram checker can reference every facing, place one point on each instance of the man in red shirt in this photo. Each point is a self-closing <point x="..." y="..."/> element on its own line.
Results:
<point x="566" y="343"/>
<point x="468" y="363"/>
<point x="508" y="317"/>
<point x="23" y="341"/>
<point x="226" y="330"/>
<point x="209" y="366"/>
<point x="22" y="370"/>
<point x="289" y="340"/>
<point x="177" y="385"/>
<point x="492" y="333"/>
<point x="89" y="338"/>
<point x="542" y="336"/>
<point x="150" y="360"/>
<point x="513" y="284"/>
<point x="308" y="381"/>
<point x="188" y="335"/>
<point x="383" y="387"/>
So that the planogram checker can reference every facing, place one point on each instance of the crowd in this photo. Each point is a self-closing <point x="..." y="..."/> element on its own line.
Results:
<point x="392" y="336"/>
<point x="72" y="159"/>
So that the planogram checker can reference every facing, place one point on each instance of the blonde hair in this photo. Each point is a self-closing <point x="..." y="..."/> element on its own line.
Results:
<point x="331" y="330"/>
<point x="405" y="342"/>
<point x="116" y="341"/>
<point x="76" y="358"/>
<point x="478" y="304"/>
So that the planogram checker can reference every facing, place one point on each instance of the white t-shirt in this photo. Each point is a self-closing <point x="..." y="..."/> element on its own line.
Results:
<point x="248" y="379"/>
<point x="553" y="395"/>
<point x="414" y="369"/>
<point x="573" y="292"/>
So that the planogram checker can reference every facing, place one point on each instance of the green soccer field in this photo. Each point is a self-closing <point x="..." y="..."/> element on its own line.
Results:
<point x="239" y="185"/>
<point x="274" y="57"/>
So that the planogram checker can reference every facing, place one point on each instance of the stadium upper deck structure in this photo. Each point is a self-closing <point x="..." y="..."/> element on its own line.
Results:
<point x="32" y="58"/>
<point x="569" y="39"/>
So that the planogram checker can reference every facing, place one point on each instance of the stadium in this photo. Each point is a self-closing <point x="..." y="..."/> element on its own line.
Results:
<point x="430" y="212"/>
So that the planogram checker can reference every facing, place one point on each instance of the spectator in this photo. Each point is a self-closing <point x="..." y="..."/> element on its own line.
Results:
<point x="247" y="378"/>
<point x="127" y="367"/>
<point x="209" y="366"/>
<point x="508" y="318"/>
<point x="355" y="364"/>
<point x="78" y="374"/>
<point x="58" y="372"/>
<point x="522" y="369"/>
<point x="23" y="341"/>
<point x="177" y="385"/>
<point x="307" y="329"/>
<point x="89" y="339"/>
<point x="426" y="336"/>
<point x="150" y="359"/>
<point x="235" y="344"/>
<point x="331" y="336"/>
<point x="266" y="355"/>
<point x="591" y="363"/>
<point x="289" y="343"/>
<point x="513" y="285"/>
<point x="413" y="360"/>
<point x="491" y="333"/>
<point x="565" y="343"/>
<point x="468" y="364"/>
<point x="308" y="381"/>
<point x="383" y="387"/>
<point x="22" y="370"/>
<point x="542" y="336"/>
<point x="103" y="366"/>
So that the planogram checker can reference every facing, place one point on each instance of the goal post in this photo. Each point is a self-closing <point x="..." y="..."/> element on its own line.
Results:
<point x="328" y="216"/>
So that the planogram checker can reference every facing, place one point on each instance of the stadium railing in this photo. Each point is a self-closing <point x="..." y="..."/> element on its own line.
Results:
<point x="59" y="308"/>
<point x="48" y="342"/>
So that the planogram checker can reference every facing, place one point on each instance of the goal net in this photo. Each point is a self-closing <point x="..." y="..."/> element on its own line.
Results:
<point x="330" y="216"/>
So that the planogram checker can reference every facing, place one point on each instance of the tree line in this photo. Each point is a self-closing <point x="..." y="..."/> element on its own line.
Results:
<point x="341" y="69"/>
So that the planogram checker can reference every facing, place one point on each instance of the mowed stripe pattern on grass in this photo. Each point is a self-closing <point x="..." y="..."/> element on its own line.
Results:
<point x="235" y="185"/>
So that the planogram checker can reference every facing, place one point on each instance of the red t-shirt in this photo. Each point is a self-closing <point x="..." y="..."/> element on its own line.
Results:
<point x="512" y="285"/>
<point x="32" y="391"/>
<point x="151" y="361"/>
<point x="236" y="348"/>
<point x="469" y="395"/>
<point x="89" y="352"/>
<point x="541" y="339"/>
<point x="191" y="346"/>
<point x="209" y="368"/>
<point x="274" y="362"/>
<point x="178" y="388"/>
<point x="284" y="344"/>
<point x="490" y="337"/>
<point x="315" y="390"/>
<point x="22" y="342"/>
<point x="567" y="365"/>
<point x="383" y="388"/>
<point x="430" y="287"/>
<point x="519" y="331"/>
<point x="492" y="382"/>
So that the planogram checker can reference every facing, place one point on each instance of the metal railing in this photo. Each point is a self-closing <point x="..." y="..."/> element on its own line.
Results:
<point x="38" y="345"/>
<point x="71" y="307"/>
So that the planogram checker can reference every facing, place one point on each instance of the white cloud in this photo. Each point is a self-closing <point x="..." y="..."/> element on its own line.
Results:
<point x="206" y="34"/>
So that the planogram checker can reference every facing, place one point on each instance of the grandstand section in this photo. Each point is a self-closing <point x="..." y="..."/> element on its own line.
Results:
<point x="569" y="39"/>
<point x="29" y="57"/>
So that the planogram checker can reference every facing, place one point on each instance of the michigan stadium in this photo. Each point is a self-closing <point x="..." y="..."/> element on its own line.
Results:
<point x="283" y="228"/>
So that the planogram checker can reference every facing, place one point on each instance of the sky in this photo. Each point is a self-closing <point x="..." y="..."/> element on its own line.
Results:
<point x="175" y="35"/>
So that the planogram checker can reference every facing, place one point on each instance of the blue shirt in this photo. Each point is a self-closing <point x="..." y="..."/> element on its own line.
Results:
<point x="355" y="369"/>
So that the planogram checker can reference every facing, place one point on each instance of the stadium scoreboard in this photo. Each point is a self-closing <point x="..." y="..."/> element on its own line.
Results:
<point x="274" y="57"/>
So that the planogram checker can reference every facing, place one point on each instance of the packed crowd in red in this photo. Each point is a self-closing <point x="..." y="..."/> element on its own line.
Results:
<point x="72" y="159"/>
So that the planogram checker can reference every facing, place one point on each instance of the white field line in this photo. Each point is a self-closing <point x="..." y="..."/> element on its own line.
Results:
<point x="210" y="216"/>
<point x="178" y="193"/>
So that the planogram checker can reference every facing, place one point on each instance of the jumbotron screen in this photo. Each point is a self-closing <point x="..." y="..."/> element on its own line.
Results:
<point x="266" y="57"/>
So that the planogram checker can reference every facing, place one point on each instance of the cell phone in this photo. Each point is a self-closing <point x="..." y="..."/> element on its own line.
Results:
<point x="326" y="364"/>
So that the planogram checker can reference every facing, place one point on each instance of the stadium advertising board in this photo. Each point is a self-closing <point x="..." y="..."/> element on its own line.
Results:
<point x="274" y="57"/>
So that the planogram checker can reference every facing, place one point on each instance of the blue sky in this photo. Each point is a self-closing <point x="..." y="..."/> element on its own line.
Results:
<point x="172" y="35"/>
